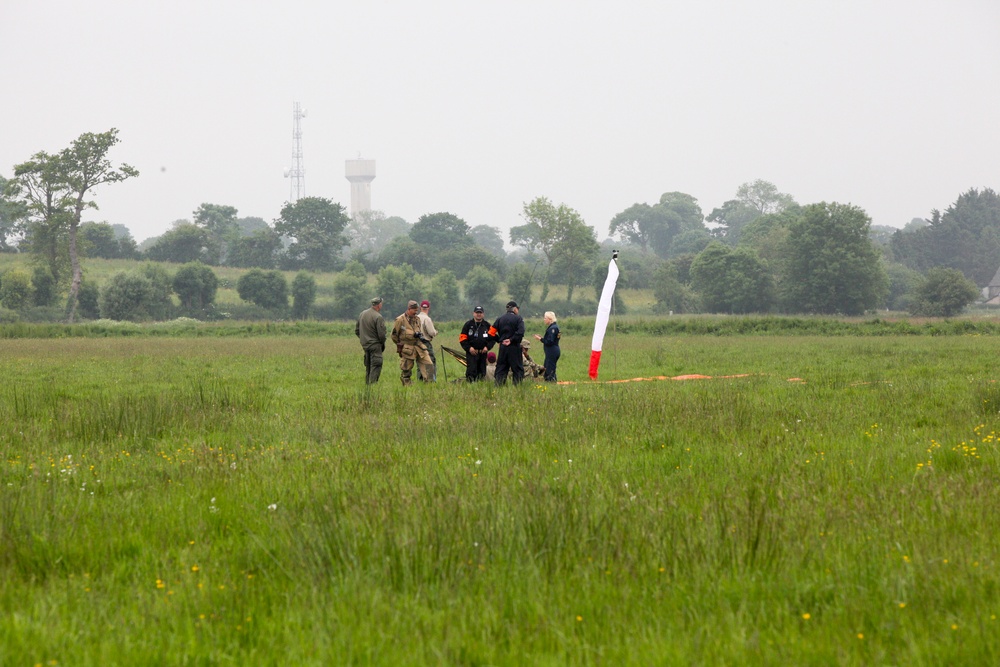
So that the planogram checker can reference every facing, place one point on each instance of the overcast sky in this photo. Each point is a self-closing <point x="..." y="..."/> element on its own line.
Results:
<point x="475" y="108"/>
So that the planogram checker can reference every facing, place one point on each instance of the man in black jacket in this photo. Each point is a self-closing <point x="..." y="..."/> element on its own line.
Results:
<point x="475" y="340"/>
<point x="509" y="330"/>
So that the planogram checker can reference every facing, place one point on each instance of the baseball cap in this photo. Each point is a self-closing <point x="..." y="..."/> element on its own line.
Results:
<point x="411" y="304"/>
<point x="425" y="304"/>
<point x="376" y="301"/>
<point x="512" y="304"/>
<point x="491" y="357"/>
<point x="478" y="309"/>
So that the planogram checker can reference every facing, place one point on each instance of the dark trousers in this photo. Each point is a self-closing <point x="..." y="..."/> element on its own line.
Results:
<point x="551" y="358"/>
<point x="475" y="366"/>
<point x="509" y="359"/>
<point x="373" y="364"/>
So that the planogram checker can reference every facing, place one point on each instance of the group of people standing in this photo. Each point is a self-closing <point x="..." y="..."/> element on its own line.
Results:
<point x="414" y="331"/>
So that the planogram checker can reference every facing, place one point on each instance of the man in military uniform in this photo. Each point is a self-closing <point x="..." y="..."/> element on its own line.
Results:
<point x="427" y="328"/>
<point x="531" y="369"/>
<point x="475" y="340"/>
<point x="370" y="329"/>
<point x="409" y="346"/>
<point x="508" y="330"/>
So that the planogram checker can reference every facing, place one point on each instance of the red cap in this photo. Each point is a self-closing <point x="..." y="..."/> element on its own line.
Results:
<point x="425" y="304"/>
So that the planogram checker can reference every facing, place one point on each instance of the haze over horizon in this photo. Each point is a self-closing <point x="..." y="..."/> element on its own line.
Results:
<point x="474" y="110"/>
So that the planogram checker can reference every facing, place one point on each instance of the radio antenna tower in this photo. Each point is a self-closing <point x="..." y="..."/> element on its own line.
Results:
<point x="297" y="173"/>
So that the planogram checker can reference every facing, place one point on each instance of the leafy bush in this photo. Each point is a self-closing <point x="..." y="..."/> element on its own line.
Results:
<point x="8" y="316"/>
<point x="396" y="285"/>
<point x="443" y="295"/>
<point x="350" y="294"/>
<point x="481" y="288"/>
<point x="267" y="289"/>
<point x="15" y="290"/>
<point x="128" y="295"/>
<point x="195" y="285"/>
<point x="944" y="293"/>
<point x="303" y="295"/>
<point x="88" y="301"/>
<point x="45" y="288"/>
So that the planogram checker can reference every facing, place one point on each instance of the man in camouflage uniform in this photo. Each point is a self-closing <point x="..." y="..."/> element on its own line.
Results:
<point x="370" y="329"/>
<point x="409" y="346"/>
<point x="531" y="369"/>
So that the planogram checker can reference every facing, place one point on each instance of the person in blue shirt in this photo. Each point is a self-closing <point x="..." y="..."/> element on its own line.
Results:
<point x="550" y="341"/>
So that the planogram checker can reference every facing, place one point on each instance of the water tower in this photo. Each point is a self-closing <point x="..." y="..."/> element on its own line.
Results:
<point x="360" y="173"/>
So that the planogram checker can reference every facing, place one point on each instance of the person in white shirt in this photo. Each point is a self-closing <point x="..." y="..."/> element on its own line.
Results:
<point x="429" y="332"/>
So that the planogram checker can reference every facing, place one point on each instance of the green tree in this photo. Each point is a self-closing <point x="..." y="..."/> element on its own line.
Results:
<point x="12" y="215"/>
<point x="127" y="295"/>
<point x="369" y="232"/>
<point x="15" y="290"/>
<point x="251" y="225"/>
<point x="461" y="259"/>
<point x="732" y="280"/>
<point x="126" y="243"/>
<point x="574" y="253"/>
<point x="259" y="250"/>
<point x="316" y="227"/>
<point x="944" y="293"/>
<point x="482" y="287"/>
<point x="195" y="285"/>
<point x="552" y="230"/>
<point x="903" y="284"/>
<point x="489" y="238"/>
<point x="671" y="293"/>
<point x="160" y="306"/>
<point x="657" y="227"/>
<point x="39" y="196"/>
<point x="90" y="300"/>
<point x="965" y="237"/>
<point x="267" y="289"/>
<point x="350" y="291"/>
<point x="519" y="283"/>
<point x="183" y="244"/>
<point x="98" y="239"/>
<point x="404" y="250"/>
<point x="441" y="231"/>
<point x="55" y="190"/>
<point x="832" y="266"/>
<point x="44" y="288"/>
<point x="396" y="285"/>
<point x="220" y="224"/>
<point x="443" y="293"/>
<point x="753" y="200"/>
<point x="303" y="295"/>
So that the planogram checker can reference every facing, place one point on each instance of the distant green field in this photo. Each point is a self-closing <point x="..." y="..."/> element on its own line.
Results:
<point x="100" y="270"/>
<point x="200" y="500"/>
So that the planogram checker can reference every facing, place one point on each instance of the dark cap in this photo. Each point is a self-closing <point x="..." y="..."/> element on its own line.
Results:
<point x="425" y="304"/>
<point x="478" y="309"/>
<point x="512" y="304"/>
<point x="376" y="301"/>
<point x="411" y="304"/>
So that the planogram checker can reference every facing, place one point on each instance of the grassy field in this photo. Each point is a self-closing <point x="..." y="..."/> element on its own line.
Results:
<point x="247" y="501"/>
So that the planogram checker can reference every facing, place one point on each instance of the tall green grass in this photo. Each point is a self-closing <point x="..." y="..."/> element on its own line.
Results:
<point x="205" y="500"/>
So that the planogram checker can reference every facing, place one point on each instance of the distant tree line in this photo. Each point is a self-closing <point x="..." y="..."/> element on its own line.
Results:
<point x="758" y="252"/>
